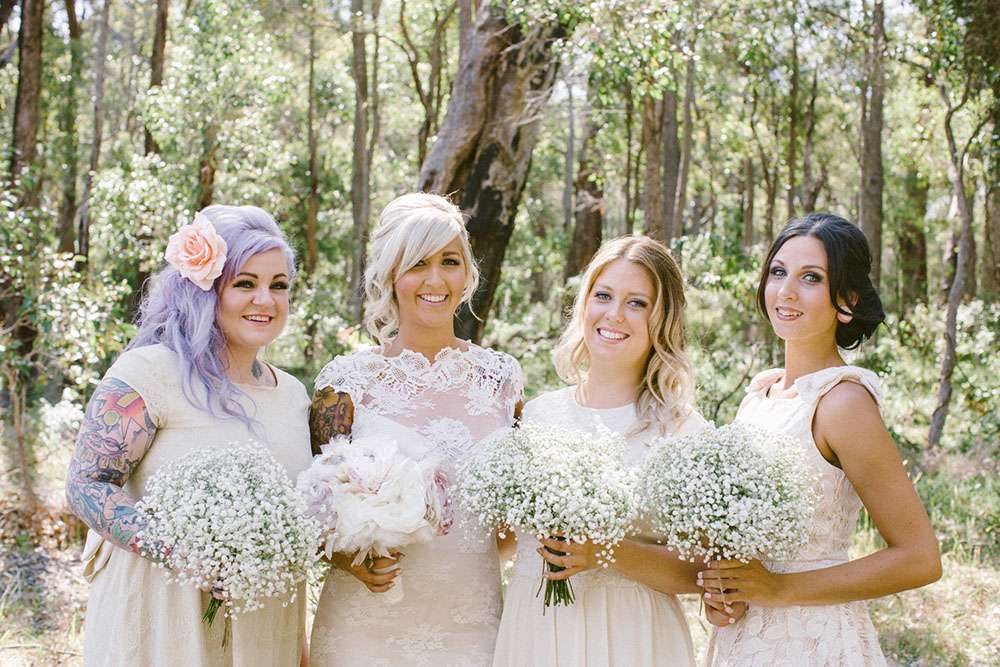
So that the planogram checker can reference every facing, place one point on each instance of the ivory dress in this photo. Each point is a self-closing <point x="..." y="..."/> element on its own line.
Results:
<point x="134" y="617"/>
<point x="615" y="621"/>
<point x="839" y="635"/>
<point x="451" y="585"/>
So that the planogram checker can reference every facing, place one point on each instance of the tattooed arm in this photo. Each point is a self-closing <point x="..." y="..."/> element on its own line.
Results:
<point x="331" y="414"/>
<point x="116" y="433"/>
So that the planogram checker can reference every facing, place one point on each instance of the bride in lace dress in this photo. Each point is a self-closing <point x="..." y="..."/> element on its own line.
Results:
<point x="815" y="291"/>
<point x="627" y="332"/>
<point x="436" y="395"/>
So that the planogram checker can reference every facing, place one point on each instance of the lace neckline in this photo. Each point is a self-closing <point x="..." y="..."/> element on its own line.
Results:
<point x="769" y="379"/>
<point x="608" y="411"/>
<point x="417" y="358"/>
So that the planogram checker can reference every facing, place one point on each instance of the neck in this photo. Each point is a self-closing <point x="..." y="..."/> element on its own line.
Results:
<point x="425" y="340"/>
<point x="243" y="367"/>
<point x="609" y="387"/>
<point x="804" y="357"/>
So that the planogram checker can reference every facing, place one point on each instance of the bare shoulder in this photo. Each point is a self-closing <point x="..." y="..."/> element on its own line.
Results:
<point x="849" y="422"/>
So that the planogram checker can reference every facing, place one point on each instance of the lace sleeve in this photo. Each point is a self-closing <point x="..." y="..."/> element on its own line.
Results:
<point x="512" y="383"/>
<point x="345" y="374"/>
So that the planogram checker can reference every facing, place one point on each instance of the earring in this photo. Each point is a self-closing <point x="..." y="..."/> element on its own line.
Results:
<point x="844" y="318"/>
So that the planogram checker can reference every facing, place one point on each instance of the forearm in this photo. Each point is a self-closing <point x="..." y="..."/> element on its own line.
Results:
<point x="885" y="572"/>
<point x="656" y="567"/>
<point x="107" y="509"/>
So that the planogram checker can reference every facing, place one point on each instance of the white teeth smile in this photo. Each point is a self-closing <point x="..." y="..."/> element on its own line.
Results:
<point x="786" y="313"/>
<point x="258" y="318"/>
<point x="611" y="335"/>
<point x="432" y="298"/>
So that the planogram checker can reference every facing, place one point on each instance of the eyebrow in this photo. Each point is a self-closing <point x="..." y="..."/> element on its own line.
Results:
<point x="254" y="275"/>
<point x="807" y="266"/>
<point x="448" y="253"/>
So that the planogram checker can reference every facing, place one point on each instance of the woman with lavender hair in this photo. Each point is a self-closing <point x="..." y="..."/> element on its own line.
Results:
<point x="190" y="379"/>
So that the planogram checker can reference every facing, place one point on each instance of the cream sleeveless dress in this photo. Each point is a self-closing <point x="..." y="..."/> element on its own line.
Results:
<point x="836" y="635"/>
<point x="134" y="617"/>
<point x="615" y="621"/>
<point x="450" y="608"/>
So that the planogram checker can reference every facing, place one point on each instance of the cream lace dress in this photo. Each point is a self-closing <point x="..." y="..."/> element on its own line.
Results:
<point x="814" y="636"/>
<point x="451" y="586"/>
<point x="615" y="621"/>
<point x="134" y="617"/>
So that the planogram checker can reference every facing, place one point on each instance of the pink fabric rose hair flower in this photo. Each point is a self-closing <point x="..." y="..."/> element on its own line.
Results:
<point x="198" y="252"/>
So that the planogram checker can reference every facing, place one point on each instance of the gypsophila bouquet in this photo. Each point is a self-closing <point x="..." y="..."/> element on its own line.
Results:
<point x="229" y="518"/>
<point x="735" y="492"/>
<point x="370" y="499"/>
<point x="551" y="481"/>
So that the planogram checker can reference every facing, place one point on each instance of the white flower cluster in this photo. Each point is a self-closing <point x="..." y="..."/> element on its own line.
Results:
<point x="549" y="480"/>
<point x="735" y="492"/>
<point x="229" y="518"/>
<point x="369" y="498"/>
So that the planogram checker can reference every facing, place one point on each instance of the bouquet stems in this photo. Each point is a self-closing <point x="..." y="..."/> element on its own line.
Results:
<point x="557" y="591"/>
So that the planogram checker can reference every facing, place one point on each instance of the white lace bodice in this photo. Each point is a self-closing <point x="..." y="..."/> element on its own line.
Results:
<point x="811" y="636"/>
<point x="829" y="536"/>
<point x="450" y="403"/>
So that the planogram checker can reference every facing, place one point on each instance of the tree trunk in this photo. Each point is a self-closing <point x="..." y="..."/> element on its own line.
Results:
<point x="793" y="126"/>
<point x="949" y="355"/>
<point x="27" y="100"/>
<point x="483" y="152"/>
<point x="567" y="198"/>
<point x="652" y="181"/>
<point x="677" y="218"/>
<point x="465" y="20"/>
<point x="6" y="8"/>
<point x="589" y="206"/>
<point x="871" y="142"/>
<point x="990" y="280"/>
<point x="312" y="200"/>
<point x="156" y="61"/>
<point x="913" y="242"/>
<point x="670" y="161"/>
<point x="207" y="167"/>
<point x="749" y="194"/>
<point x="811" y="186"/>
<point x="360" y="182"/>
<point x="100" y="67"/>
<point x="629" y="199"/>
<point x="429" y="94"/>
<point x="70" y="141"/>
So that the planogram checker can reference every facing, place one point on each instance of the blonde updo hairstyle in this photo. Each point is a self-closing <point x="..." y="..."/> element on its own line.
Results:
<point x="410" y="228"/>
<point x="666" y="395"/>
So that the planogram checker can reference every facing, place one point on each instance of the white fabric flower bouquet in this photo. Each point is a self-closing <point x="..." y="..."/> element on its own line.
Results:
<point x="554" y="482"/>
<point x="371" y="499"/>
<point x="229" y="518"/>
<point x="735" y="492"/>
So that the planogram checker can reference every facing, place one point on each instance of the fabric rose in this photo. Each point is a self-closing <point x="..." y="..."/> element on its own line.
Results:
<point x="198" y="252"/>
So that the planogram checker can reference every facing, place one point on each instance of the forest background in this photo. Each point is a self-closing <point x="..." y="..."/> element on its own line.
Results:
<point x="554" y="124"/>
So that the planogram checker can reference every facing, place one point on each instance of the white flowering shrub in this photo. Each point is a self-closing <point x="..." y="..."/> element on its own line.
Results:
<point x="554" y="482"/>
<point x="735" y="492"/>
<point x="229" y="518"/>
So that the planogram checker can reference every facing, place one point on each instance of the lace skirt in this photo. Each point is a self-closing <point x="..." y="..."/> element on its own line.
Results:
<point x="840" y="635"/>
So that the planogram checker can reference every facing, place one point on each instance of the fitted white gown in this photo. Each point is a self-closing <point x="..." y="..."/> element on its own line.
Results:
<point x="451" y="586"/>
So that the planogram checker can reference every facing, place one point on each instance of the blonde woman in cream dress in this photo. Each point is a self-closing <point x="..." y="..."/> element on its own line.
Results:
<point x="624" y="352"/>
<point x="201" y="329"/>
<point x="437" y="396"/>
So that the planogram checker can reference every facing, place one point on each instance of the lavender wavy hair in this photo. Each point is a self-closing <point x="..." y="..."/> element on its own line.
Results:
<point x="184" y="318"/>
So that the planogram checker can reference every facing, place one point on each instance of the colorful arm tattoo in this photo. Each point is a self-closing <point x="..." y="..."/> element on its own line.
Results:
<point x="116" y="433"/>
<point x="331" y="414"/>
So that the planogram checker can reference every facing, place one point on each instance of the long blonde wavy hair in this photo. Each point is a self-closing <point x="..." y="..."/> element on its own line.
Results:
<point x="666" y="395"/>
<point x="411" y="227"/>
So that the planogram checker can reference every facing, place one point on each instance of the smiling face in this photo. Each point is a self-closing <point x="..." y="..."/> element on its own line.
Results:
<point x="429" y="293"/>
<point x="253" y="306"/>
<point x="616" y="318"/>
<point x="797" y="292"/>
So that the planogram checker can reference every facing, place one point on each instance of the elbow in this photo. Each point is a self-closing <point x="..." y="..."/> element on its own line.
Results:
<point x="926" y="566"/>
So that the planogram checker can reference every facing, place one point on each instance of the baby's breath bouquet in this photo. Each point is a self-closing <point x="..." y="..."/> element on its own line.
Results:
<point x="735" y="492"/>
<point x="229" y="518"/>
<point x="553" y="482"/>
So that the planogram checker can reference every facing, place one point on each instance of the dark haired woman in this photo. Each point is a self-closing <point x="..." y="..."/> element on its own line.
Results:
<point x="815" y="291"/>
